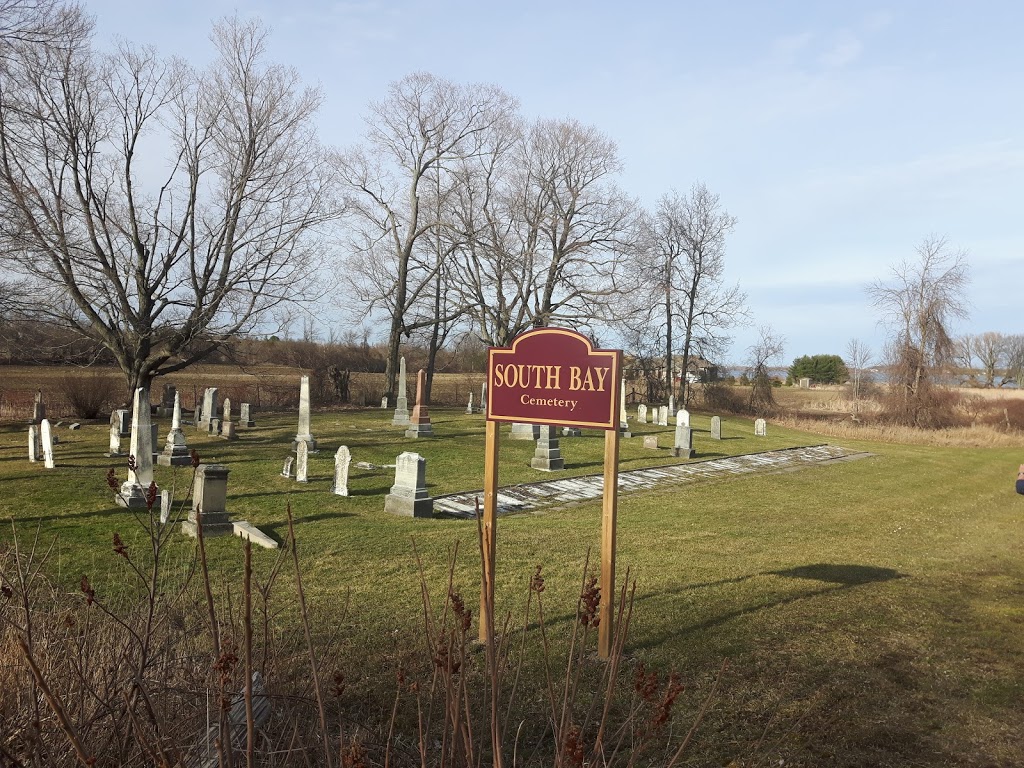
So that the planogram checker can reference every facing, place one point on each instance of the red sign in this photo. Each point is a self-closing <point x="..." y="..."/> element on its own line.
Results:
<point x="554" y="376"/>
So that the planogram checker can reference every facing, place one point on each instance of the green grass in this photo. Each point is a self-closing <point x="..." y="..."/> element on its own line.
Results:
<point x="872" y="611"/>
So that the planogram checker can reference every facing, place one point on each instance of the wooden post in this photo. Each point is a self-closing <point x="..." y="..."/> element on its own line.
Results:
<point x="609" y="510"/>
<point x="490" y="530"/>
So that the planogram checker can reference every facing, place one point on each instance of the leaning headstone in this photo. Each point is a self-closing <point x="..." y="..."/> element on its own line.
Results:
<point x="134" y="489"/>
<point x="683" y="448"/>
<point x="209" y="409"/>
<point x="521" y="431"/>
<point x="641" y="413"/>
<point x="760" y="428"/>
<point x="683" y="417"/>
<point x="245" y="416"/>
<point x="469" y="405"/>
<point x="304" y="435"/>
<point x="662" y="416"/>
<point x="209" y="502"/>
<point x="302" y="462"/>
<point x="342" y="460"/>
<point x="572" y="432"/>
<point x="227" y="426"/>
<point x="419" y="422"/>
<point x="38" y="408"/>
<point x="175" y="452"/>
<point x="35" y="445"/>
<point x="401" y="417"/>
<point x="623" y="417"/>
<point x="651" y="441"/>
<point x="547" y="457"/>
<point x="409" y="496"/>
<point x="288" y="464"/>
<point x="716" y="427"/>
<point x="116" y="418"/>
<point x="46" y="433"/>
<point x="671" y="406"/>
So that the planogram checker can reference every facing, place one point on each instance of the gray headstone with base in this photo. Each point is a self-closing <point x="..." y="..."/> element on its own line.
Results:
<point x="716" y="428"/>
<point x="302" y="462"/>
<point x="683" y="447"/>
<point x="521" y="431"/>
<point x="304" y="435"/>
<point x="641" y="413"/>
<point x="209" y="502"/>
<point x="760" y="428"/>
<point x="342" y="460"/>
<point x="227" y="426"/>
<point x="46" y="434"/>
<point x="245" y="416"/>
<point x="175" y="452"/>
<point x="401" y="417"/>
<point x="134" y="489"/>
<point x="409" y="496"/>
<point x="547" y="457"/>
<point x="419" y="422"/>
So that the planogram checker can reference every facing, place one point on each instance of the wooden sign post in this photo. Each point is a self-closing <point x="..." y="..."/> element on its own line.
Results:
<point x="553" y="376"/>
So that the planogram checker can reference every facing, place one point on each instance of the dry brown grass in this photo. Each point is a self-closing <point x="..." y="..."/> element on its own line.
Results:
<point x="976" y="436"/>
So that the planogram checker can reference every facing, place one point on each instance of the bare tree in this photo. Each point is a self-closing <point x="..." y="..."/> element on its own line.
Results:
<point x="858" y="358"/>
<point x="1014" y="360"/>
<point x="768" y="348"/>
<point x="990" y="349"/>
<point x="545" y="229"/>
<point x="395" y="183"/>
<point x="918" y="304"/>
<point x="162" y="273"/>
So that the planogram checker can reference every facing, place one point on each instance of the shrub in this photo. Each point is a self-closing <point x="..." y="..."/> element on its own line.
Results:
<point x="89" y="393"/>
<point x="717" y="396"/>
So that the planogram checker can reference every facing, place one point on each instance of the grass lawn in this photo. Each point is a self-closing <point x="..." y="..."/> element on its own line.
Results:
<point x="872" y="611"/>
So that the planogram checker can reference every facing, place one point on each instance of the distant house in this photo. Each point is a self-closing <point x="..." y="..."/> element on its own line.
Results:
<point x="645" y="377"/>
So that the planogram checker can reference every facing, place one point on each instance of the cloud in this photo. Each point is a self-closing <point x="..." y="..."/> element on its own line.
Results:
<point x="846" y="50"/>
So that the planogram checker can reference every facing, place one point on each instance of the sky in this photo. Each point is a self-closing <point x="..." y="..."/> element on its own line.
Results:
<point x="839" y="134"/>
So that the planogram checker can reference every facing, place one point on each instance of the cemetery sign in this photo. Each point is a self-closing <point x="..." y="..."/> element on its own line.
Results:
<point x="553" y="376"/>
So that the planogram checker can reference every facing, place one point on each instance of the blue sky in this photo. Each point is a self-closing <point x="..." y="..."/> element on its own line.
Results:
<point x="840" y="134"/>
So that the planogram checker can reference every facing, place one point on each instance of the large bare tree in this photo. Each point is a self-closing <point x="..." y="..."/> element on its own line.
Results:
<point x="394" y="185"/>
<point x="156" y="209"/>
<point x="919" y="303"/>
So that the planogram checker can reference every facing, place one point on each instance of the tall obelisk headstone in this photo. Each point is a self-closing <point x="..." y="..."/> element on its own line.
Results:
<point x="401" y="418"/>
<point x="134" y="489"/>
<point x="304" y="435"/>
<point x="175" y="453"/>
<point x="419" y="423"/>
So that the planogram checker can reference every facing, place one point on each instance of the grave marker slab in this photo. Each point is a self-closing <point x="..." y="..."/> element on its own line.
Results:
<point x="716" y="427"/>
<point x="35" y="444"/>
<point x="342" y="460"/>
<point x="522" y="431"/>
<point x="46" y="434"/>
<point x="662" y="416"/>
<point x="409" y="496"/>
<point x="760" y="428"/>
<point x="651" y="441"/>
<point x="245" y="416"/>
<point x="302" y="462"/>
<point x="641" y="413"/>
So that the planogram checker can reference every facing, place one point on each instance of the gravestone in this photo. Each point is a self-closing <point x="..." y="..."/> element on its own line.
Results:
<point x="671" y="406"/>
<point x="384" y="402"/>
<point x="167" y="396"/>
<point x="304" y="435"/>
<point x="483" y="397"/>
<point x="245" y="416"/>
<point x="227" y="426"/>
<point x="210" y="411"/>
<point x="302" y="462"/>
<point x="401" y="417"/>
<point x="35" y="444"/>
<point x="209" y="502"/>
<point x="154" y="438"/>
<point x="419" y="423"/>
<point x="716" y="427"/>
<point x="175" y="452"/>
<point x="623" y="417"/>
<point x="683" y="417"/>
<point x="116" y="419"/>
<point x="38" y="408"/>
<point x="165" y="506"/>
<point x="134" y="489"/>
<point x="683" y="448"/>
<point x="287" y="470"/>
<point x="214" y="426"/>
<point x="342" y="460"/>
<point x="75" y="425"/>
<point x="572" y="432"/>
<point x="469" y="405"/>
<point x="124" y="421"/>
<point x="651" y="441"/>
<point x="760" y="428"/>
<point x="641" y="413"/>
<point x="521" y="431"/>
<point x="805" y="383"/>
<point x="409" y="496"/>
<point x="547" y="457"/>
<point x="46" y="435"/>
<point x="662" y="416"/>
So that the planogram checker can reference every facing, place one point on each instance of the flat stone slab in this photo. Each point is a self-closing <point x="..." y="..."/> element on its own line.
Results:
<point x="532" y="496"/>
<point x="247" y="530"/>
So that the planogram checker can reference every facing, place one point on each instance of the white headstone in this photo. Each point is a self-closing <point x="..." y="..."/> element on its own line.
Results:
<point x="302" y="462"/>
<point x="209" y="408"/>
<point x="760" y="428"/>
<point x="175" y="452"/>
<point x="483" y="397"/>
<point x="662" y="416"/>
<point x="469" y="405"/>
<point x="716" y="428"/>
<point x="683" y="447"/>
<point x="46" y="433"/>
<point x="401" y="417"/>
<point x="35" y="445"/>
<point x="683" y="417"/>
<point x="286" y="471"/>
<point x="135" y="488"/>
<point x="409" y="496"/>
<point x="304" y="435"/>
<point x="165" y="502"/>
<point x="245" y="416"/>
<point x="342" y="460"/>
<point x="641" y="413"/>
<point x="384" y="402"/>
<point x="671" y="405"/>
